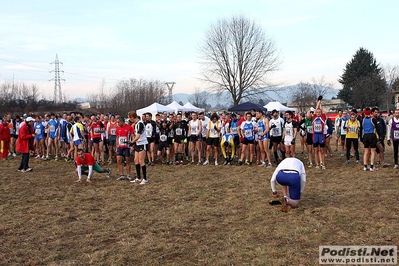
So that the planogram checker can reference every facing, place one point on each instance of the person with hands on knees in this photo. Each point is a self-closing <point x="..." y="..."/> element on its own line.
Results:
<point x="291" y="176"/>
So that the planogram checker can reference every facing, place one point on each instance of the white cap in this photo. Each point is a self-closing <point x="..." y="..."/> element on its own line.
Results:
<point x="312" y="109"/>
<point x="29" y="119"/>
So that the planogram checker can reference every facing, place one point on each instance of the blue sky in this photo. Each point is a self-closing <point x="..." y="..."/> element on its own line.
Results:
<point x="113" y="40"/>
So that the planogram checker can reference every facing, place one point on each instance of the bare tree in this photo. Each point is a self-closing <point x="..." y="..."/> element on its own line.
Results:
<point x="236" y="56"/>
<point x="391" y="76"/>
<point x="306" y="94"/>
<point x="198" y="98"/>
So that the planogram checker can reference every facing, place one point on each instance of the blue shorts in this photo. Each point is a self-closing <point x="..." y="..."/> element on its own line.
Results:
<point x="77" y="142"/>
<point x="195" y="138"/>
<point x="39" y="137"/>
<point x="123" y="152"/>
<point x="112" y="140"/>
<point x="53" y="135"/>
<point x="293" y="181"/>
<point x="318" y="140"/>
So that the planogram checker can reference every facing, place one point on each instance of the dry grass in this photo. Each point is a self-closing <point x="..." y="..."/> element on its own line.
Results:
<point x="190" y="215"/>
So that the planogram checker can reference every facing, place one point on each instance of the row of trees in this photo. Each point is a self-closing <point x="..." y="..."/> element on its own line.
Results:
<point x="130" y="94"/>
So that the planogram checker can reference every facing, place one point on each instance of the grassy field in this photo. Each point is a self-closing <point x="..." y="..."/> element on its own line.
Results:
<point x="190" y="215"/>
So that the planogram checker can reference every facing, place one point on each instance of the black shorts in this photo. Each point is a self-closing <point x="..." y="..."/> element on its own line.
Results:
<point x="170" y="141"/>
<point x="213" y="142"/>
<point x="309" y="139"/>
<point x="139" y="148"/>
<point x="237" y="141"/>
<point x="370" y="141"/>
<point x="163" y="145"/>
<point x="343" y="137"/>
<point x="96" y="140"/>
<point x="151" y="140"/>
<point x="276" y="139"/>
<point x="247" y="141"/>
<point x="321" y="145"/>
<point x="179" y="140"/>
<point x="15" y="136"/>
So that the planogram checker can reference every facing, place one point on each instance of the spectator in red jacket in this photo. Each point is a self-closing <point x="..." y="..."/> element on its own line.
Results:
<point x="5" y="138"/>
<point x="24" y="138"/>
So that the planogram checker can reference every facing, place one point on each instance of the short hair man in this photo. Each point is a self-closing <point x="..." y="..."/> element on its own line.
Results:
<point x="85" y="161"/>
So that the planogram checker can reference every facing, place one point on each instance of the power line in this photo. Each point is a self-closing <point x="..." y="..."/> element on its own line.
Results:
<point x="66" y="72"/>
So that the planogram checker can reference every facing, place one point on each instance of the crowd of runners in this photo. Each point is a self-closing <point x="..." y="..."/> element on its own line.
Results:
<point x="254" y="138"/>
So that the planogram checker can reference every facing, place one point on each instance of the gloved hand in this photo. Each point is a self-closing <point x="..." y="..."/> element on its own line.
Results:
<point x="293" y="142"/>
<point x="215" y="127"/>
<point x="389" y="142"/>
<point x="273" y="126"/>
<point x="320" y="98"/>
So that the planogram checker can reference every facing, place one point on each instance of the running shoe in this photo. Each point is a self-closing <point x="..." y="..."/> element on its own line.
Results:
<point x="206" y="162"/>
<point x="143" y="182"/>
<point x="216" y="162"/>
<point x="121" y="177"/>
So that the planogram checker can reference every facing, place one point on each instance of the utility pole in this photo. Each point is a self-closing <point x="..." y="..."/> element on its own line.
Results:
<point x="57" y="80"/>
<point x="170" y="88"/>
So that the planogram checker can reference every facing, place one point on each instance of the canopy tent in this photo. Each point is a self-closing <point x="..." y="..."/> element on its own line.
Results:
<point x="247" y="106"/>
<point x="177" y="107"/>
<point x="277" y="106"/>
<point x="190" y="107"/>
<point x="154" y="109"/>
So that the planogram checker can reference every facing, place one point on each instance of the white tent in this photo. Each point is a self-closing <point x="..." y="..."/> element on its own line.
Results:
<point x="277" y="106"/>
<point x="177" y="107"/>
<point x="154" y="109"/>
<point x="190" y="107"/>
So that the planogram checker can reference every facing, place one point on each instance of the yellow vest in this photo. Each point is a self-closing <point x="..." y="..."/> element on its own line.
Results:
<point x="352" y="129"/>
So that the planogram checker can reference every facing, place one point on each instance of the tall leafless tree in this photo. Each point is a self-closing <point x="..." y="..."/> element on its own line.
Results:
<point x="236" y="56"/>
<point x="391" y="76"/>
<point x="305" y="94"/>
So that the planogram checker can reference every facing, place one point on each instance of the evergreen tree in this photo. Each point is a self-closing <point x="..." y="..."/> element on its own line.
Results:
<point x="362" y="81"/>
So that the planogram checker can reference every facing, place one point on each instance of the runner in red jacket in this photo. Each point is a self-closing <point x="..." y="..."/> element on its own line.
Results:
<point x="24" y="138"/>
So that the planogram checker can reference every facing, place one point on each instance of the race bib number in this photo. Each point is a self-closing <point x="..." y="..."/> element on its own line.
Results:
<point x="52" y="128"/>
<point x="276" y="131"/>
<point x="396" y="134"/>
<point x="260" y="130"/>
<point x="179" y="132"/>
<point x="38" y="131"/>
<point x="122" y="141"/>
<point x="163" y="138"/>
<point x="234" y="130"/>
<point x="194" y="130"/>
<point x="148" y="133"/>
<point x="248" y="133"/>
<point x="213" y="132"/>
<point x="309" y="129"/>
<point x="288" y="131"/>
<point x="171" y="134"/>
<point x="96" y="130"/>
<point x="317" y="128"/>
<point x="352" y="129"/>
<point x="113" y="131"/>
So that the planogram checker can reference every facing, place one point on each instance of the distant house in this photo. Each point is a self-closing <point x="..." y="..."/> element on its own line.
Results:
<point x="85" y="105"/>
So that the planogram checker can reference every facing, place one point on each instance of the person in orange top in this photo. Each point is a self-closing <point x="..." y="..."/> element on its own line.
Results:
<point x="5" y="138"/>
<point x="111" y="136"/>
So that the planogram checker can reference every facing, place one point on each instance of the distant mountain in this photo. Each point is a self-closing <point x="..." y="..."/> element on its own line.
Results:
<point x="80" y="100"/>
<point x="282" y="94"/>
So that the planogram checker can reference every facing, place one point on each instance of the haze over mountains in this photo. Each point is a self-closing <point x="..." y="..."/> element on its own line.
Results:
<point x="282" y="94"/>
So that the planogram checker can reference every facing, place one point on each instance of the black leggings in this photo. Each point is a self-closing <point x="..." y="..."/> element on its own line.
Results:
<point x="395" y="150"/>
<point x="349" y="142"/>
